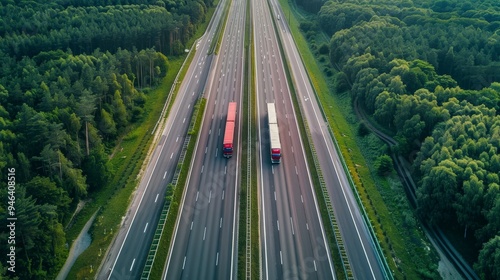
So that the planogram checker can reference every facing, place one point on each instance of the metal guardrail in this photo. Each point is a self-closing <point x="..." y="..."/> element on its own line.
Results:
<point x="387" y="272"/>
<point x="248" y="253"/>
<point x="333" y="222"/>
<point x="380" y="255"/>
<point x="174" y="86"/>
<point x="166" y="207"/>
<point x="156" y="241"/>
<point x="331" y="215"/>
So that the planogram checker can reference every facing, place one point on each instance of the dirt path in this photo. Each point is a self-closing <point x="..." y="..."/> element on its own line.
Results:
<point x="79" y="245"/>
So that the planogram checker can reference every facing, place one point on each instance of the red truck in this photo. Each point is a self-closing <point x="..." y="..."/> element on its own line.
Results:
<point x="227" y="145"/>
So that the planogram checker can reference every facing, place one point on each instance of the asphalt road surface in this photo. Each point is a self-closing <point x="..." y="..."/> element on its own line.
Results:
<point x="205" y="244"/>
<point x="127" y="255"/>
<point x="292" y="237"/>
<point x="363" y="259"/>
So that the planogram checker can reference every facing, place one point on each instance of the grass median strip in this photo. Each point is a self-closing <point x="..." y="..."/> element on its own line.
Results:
<point x="249" y="178"/>
<point x="255" y="222"/>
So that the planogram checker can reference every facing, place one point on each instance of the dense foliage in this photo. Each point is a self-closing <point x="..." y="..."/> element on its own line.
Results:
<point x="428" y="70"/>
<point x="71" y="80"/>
<point x="468" y="49"/>
<point x="28" y="28"/>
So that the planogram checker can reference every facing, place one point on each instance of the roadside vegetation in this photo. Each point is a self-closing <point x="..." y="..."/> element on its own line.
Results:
<point x="424" y="72"/>
<point x="86" y="86"/>
<point x="383" y="196"/>
<point x="254" y="199"/>
<point x="249" y="156"/>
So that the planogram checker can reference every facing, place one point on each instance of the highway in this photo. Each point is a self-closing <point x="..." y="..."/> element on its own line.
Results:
<point x="292" y="235"/>
<point x="127" y="255"/>
<point x="359" y="245"/>
<point x="205" y="239"/>
<point x="293" y="242"/>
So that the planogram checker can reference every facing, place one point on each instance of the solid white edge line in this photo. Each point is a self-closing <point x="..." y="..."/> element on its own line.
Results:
<point x="137" y="209"/>
<point x="311" y="186"/>
<point x="235" y="210"/>
<point x="329" y="152"/>
<point x="266" y="267"/>
<point x="165" y="270"/>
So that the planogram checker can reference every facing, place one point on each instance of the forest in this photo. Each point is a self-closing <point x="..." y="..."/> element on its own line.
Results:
<point x="428" y="71"/>
<point x="74" y="76"/>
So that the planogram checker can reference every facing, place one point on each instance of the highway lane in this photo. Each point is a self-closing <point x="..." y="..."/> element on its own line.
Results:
<point x="359" y="245"/>
<point x="292" y="236"/>
<point x="127" y="254"/>
<point x="204" y="244"/>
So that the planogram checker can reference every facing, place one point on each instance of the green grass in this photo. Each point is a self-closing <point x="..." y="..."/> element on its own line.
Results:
<point x="163" y="248"/>
<point x="384" y="209"/>
<point x="114" y="198"/>
<point x="249" y="98"/>
<point x="254" y="200"/>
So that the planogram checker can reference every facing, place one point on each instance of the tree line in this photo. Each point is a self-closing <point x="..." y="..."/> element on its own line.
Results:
<point x="26" y="30"/>
<point x="428" y="71"/>
<point x="72" y="80"/>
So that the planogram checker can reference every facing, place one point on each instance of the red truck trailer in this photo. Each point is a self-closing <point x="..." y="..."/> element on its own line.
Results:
<point x="227" y="145"/>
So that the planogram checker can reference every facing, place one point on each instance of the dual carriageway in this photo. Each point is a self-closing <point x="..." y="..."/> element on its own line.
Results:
<point x="292" y="237"/>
